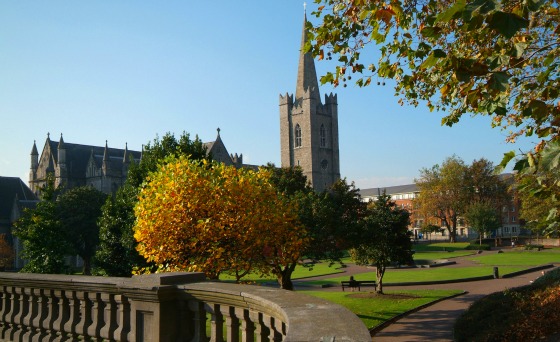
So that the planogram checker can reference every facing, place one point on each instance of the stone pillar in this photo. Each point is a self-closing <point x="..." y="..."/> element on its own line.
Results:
<point x="155" y="309"/>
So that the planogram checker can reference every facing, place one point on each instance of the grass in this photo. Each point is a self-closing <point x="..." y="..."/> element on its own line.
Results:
<point x="424" y="275"/>
<point x="375" y="309"/>
<point x="429" y="256"/>
<point x="440" y="247"/>
<point x="300" y="272"/>
<point x="525" y="258"/>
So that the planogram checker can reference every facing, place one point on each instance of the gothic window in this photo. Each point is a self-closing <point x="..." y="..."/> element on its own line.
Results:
<point x="323" y="135"/>
<point x="298" y="136"/>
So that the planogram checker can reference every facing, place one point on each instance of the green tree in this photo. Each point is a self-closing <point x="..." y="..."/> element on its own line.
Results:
<point x="79" y="210"/>
<point x="487" y="57"/>
<point x="385" y="238"/>
<point x="116" y="255"/>
<point x="337" y="227"/>
<point x="539" y="204"/>
<point x="331" y="217"/>
<point x="155" y="152"/>
<point x="445" y="192"/>
<point x="117" y="221"/>
<point x="431" y="228"/>
<point x="45" y="244"/>
<point x="483" y="217"/>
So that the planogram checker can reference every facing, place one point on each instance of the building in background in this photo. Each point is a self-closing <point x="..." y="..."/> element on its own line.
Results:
<point x="404" y="195"/>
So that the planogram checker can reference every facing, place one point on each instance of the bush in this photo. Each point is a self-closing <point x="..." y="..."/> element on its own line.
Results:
<point x="534" y="246"/>
<point x="476" y="246"/>
<point x="528" y="311"/>
<point x="549" y="278"/>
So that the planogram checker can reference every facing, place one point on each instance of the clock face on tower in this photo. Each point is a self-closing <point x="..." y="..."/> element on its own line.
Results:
<point x="324" y="164"/>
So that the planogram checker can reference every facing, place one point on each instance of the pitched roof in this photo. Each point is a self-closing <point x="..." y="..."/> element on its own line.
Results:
<point x="77" y="156"/>
<point x="10" y="187"/>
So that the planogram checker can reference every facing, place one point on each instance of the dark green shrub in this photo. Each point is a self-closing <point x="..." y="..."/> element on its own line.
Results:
<point x="475" y="246"/>
<point x="528" y="311"/>
<point x="534" y="246"/>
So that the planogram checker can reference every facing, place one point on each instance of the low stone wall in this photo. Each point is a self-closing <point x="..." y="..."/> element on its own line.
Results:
<point x="164" y="307"/>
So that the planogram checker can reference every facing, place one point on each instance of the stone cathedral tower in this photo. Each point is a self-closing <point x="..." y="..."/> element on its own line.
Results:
<point x="309" y="128"/>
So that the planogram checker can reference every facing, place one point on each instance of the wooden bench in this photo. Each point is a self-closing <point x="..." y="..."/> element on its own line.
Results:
<point x="358" y="284"/>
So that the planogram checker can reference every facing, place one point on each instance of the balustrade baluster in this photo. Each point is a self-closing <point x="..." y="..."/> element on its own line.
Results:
<point x="232" y="323"/>
<point x="20" y="328"/>
<point x="73" y="314"/>
<point x="274" y="325"/>
<point x="63" y="315"/>
<point x="247" y="325"/>
<point x="123" y="316"/>
<point x="96" y="312"/>
<point x="108" y="315"/>
<point x="81" y="328"/>
<point x="261" y="330"/>
<point x="33" y="296"/>
<point x="43" y="321"/>
<point x="199" y="321"/>
<point x="216" y="323"/>
<point x="5" y="308"/>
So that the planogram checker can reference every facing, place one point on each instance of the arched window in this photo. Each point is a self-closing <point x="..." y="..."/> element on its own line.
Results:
<point x="323" y="135"/>
<point x="298" y="135"/>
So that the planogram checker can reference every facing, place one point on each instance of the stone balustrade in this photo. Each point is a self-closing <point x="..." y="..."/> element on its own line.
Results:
<point x="164" y="307"/>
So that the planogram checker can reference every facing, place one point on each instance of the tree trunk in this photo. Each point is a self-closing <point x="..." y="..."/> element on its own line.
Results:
<point x="452" y="237"/>
<point x="87" y="266"/>
<point x="285" y="277"/>
<point x="379" y="272"/>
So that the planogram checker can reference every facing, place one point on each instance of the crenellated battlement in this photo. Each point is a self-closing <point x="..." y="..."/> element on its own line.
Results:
<point x="237" y="159"/>
<point x="287" y="99"/>
<point x="331" y="99"/>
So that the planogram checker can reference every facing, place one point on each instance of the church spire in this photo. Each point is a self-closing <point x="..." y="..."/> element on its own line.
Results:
<point x="106" y="152"/>
<point x="307" y="76"/>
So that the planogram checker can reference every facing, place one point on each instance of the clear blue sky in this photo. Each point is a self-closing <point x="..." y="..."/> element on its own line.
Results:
<point x="124" y="71"/>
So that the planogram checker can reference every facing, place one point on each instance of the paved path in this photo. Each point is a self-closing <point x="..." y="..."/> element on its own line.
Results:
<point x="435" y="322"/>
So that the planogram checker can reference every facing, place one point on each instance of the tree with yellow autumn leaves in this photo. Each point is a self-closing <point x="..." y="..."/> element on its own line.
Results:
<point x="212" y="218"/>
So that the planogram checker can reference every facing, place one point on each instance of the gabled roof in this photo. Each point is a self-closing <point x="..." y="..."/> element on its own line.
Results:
<point x="77" y="156"/>
<point x="10" y="187"/>
<point x="390" y="190"/>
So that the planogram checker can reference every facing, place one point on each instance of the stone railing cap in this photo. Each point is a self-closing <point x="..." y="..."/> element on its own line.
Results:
<point x="162" y="279"/>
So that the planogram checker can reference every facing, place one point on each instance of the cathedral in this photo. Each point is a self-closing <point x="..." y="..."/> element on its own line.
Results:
<point x="103" y="168"/>
<point x="309" y="128"/>
<point x="308" y="139"/>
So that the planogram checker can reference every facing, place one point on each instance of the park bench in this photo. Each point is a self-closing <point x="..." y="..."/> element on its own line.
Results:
<point x="358" y="284"/>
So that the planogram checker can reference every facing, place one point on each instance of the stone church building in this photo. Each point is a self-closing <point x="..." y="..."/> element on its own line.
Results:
<point x="309" y="128"/>
<point x="102" y="167"/>
<point x="308" y="138"/>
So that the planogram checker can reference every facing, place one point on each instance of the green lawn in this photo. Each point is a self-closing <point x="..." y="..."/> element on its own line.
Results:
<point x="375" y="309"/>
<point x="525" y="258"/>
<point x="428" y="256"/>
<point x="440" y="246"/>
<point x="300" y="272"/>
<point x="425" y="274"/>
